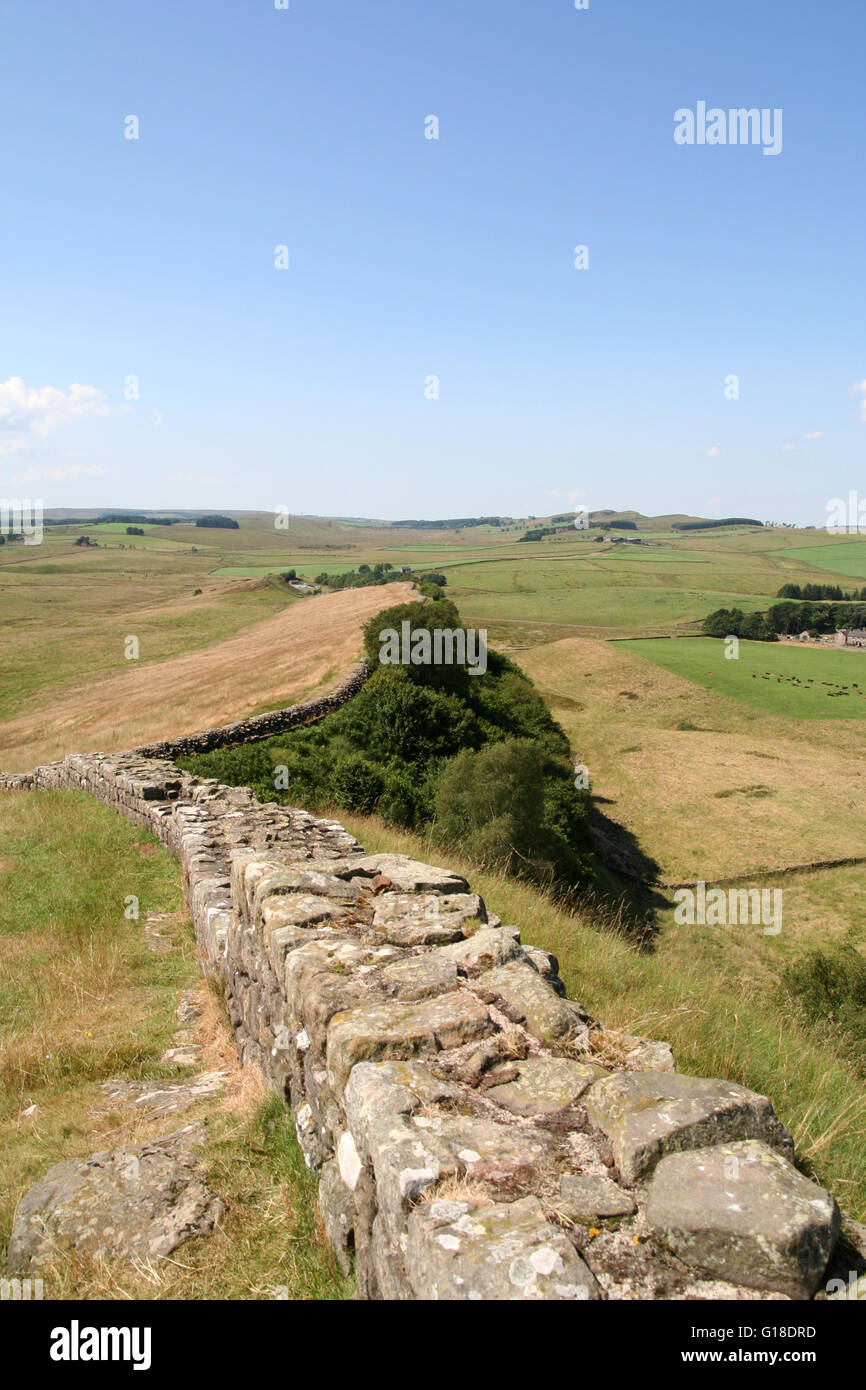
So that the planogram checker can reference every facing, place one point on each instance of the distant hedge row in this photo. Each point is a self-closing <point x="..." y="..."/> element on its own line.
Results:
<point x="709" y="525"/>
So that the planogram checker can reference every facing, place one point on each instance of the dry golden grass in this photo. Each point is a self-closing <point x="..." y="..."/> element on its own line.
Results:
<point x="83" y="999"/>
<point x="301" y="652"/>
<point x="738" y="793"/>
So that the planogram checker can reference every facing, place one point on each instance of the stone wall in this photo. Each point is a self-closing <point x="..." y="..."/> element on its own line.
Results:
<point x="478" y="1135"/>
<point x="260" y="726"/>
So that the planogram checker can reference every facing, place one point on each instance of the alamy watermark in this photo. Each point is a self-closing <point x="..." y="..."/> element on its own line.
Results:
<point x="22" y="517"/>
<point x="736" y="126"/>
<point x="846" y="517"/>
<point x="734" y="907"/>
<point x="20" y="1290"/>
<point x="442" y="646"/>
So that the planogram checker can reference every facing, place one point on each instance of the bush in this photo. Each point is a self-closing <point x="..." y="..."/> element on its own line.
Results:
<point x="394" y="719"/>
<point x="491" y="802"/>
<point x="403" y="801"/>
<point x="830" y="986"/>
<point x="356" y="783"/>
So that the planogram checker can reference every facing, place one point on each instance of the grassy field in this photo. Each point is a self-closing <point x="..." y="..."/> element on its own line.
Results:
<point x="796" y="682"/>
<point x="711" y="787"/>
<point x="842" y="557"/>
<point x="83" y="1000"/>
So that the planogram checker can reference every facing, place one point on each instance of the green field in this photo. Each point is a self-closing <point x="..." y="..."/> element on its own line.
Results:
<point x="764" y="674"/>
<point x="839" y="557"/>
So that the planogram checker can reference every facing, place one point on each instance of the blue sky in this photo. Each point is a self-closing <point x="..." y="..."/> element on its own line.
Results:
<point x="411" y="257"/>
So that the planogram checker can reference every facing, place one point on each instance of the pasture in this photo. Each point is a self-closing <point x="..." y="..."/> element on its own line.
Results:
<point x="782" y="678"/>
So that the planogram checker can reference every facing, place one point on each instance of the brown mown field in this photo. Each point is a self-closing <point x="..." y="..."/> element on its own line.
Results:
<point x="300" y="652"/>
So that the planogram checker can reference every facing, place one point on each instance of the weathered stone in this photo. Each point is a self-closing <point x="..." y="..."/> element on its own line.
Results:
<point x="421" y="977"/>
<point x="743" y="1213"/>
<point x="486" y="1251"/>
<point x="406" y="1158"/>
<point x="348" y="1161"/>
<point x="426" y="919"/>
<point x="187" y="1055"/>
<point x="409" y="875"/>
<point x="337" y="1210"/>
<point x="134" y="1203"/>
<point x="648" y="1114"/>
<point x="302" y="910"/>
<point x="379" y="1094"/>
<point x="398" y="1030"/>
<point x="545" y="1085"/>
<point x="545" y="963"/>
<point x="491" y="1152"/>
<point x="482" y="951"/>
<point x="525" y="996"/>
<point x="158" y="1098"/>
<point x="649" y="1055"/>
<point x="589" y="1198"/>
<point x="191" y="1005"/>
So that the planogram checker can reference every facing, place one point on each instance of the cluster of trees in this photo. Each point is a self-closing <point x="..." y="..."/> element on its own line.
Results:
<point x="791" y="617"/>
<point x="733" y="622"/>
<point x="138" y="519"/>
<point x="223" y="522"/>
<point x="817" y="591"/>
<point x="135" y="531"/>
<point x="708" y="525"/>
<point x="539" y="533"/>
<point x="360" y="578"/>
<point x="364" y="576"/>
<point x="479" y="759"/>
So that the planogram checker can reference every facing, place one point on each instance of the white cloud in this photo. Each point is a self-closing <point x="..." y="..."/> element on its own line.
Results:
<point x="712" y="453"/>
<point x="814" y="434"/>
<point x="859" y="389"/>
<point x="28" y="412"/>
<point x="786" y="448"/>
<point x="61" y="474"/>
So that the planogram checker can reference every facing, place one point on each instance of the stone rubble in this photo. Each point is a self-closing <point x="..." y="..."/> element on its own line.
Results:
<point x="138" y="1202"/>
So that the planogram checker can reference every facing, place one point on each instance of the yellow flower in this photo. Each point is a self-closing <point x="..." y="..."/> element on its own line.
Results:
<point x="593" y="1232"/>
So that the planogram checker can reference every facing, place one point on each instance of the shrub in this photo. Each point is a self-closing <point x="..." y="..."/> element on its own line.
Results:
<point x="356" y="783"/>
<point x="403" y="801"/>
<point x="491" y="801"/>
<point x="830" y="985"/>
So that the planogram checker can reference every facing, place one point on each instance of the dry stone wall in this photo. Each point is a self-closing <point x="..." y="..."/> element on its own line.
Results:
<point x="277" y="721"/>
<point x="478" y="1136"/>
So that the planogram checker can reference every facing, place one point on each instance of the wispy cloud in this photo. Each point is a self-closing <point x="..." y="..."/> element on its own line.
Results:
<point x="714" y="452"/>
<point x="28" y="413"/>
<point x="859" y="389"/>
<point x="61" y="474"/>
<point x="814" y="434"/>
